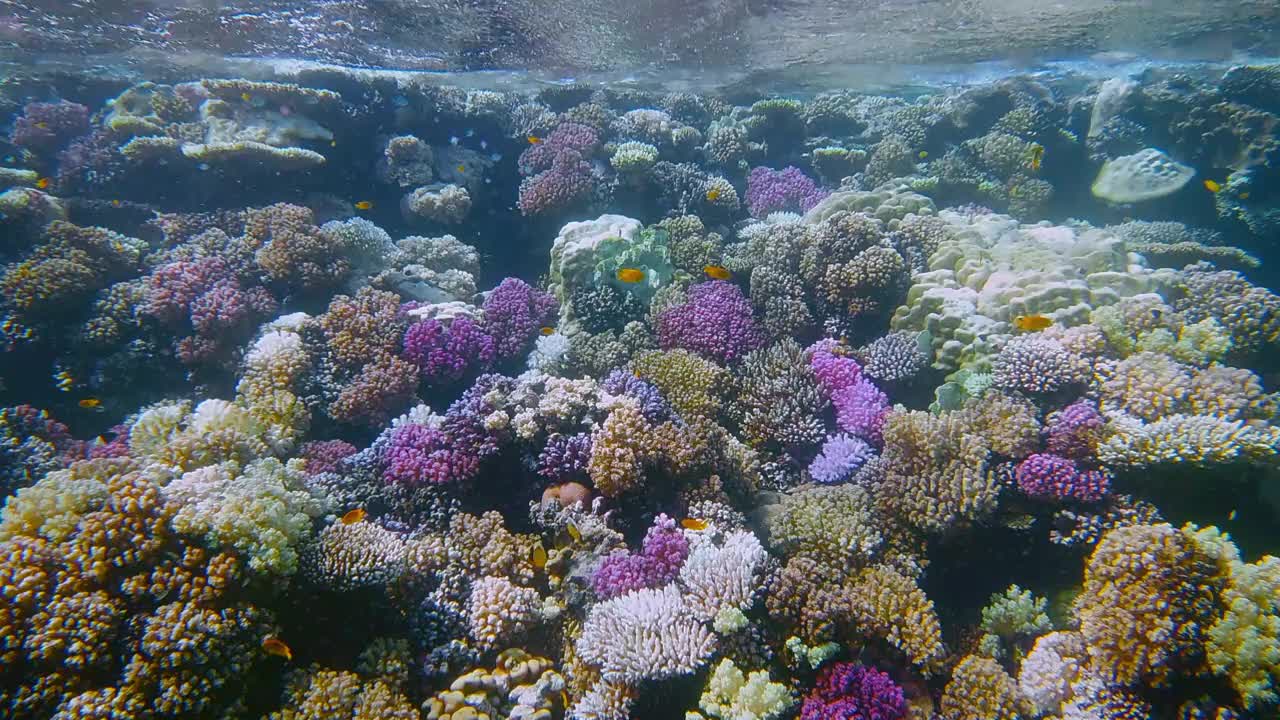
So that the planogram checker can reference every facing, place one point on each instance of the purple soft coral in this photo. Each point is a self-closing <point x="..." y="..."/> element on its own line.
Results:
<point x="665" y="549"/>
<point x="788" y="189"/>
<point x="847" y="691"/>
<point x="715" y="322"/>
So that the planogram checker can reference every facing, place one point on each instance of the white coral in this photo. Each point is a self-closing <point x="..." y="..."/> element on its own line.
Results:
<point x="644" y="635"/>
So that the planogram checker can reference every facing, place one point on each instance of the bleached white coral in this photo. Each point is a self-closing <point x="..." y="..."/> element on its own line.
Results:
<point x="498" y="610"/>
<point x="1190" y="439"/>
<point x="644" y="635"/>
<point x="264" y="512"/>
<point x="1056" y="662"/>
<point x="548" y="352"/>
<point x="716" y="577"/>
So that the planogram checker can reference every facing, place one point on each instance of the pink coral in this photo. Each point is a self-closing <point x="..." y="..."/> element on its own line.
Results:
<point x="1053" y="477"/>
<point x="665" y="549"/>
<point x="716" y="322"/>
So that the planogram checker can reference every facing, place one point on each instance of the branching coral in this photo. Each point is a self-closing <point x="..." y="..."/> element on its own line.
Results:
<point x="779" y="405"/>
<point x="935" y="470"/>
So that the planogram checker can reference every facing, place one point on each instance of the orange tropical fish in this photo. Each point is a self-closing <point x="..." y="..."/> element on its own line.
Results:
<point x="538" y="556"/>
<point x="1212" y="186"/>
<point x="461" y="168"/>
<point x="694" y="524"/>
<point x="90" y="403"/>
<point x="364" y="205"/>
<point x="354" y="516"/>
<point x="547" y="330"/>
<point x="1037" y="154"/>
<point x="717" y="272"/>
<point x="1032" y="322"/>
<point x="630" y="275"/>
<point x="43" y="183"/>
<point x="275" y="646"/>
<point x="534" y="139"/>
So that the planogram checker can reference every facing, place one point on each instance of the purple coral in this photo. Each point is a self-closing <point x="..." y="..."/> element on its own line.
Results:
<point x="44" y="127"/>
<point x="716" y="321"/>
<point x="833" y="369"/>
<point x="565" y="457"/>
<point x="323" y="456"/>
<point x="1073" y="431"/>
<point x="226" y="307"/>
<point x="513" y="313"/>
<point x="848" y="691"/>
<point x="418" y="455"/>
<point x="788" y="189"/>
<point x="557" y="170"/>
<point x="861" y="409"/>
<point x="664" y="550"/>
<point x="447" y="352"/>
<point x="1052" y="477"/>
<point x="841" y="455"/>
<point x="172" y="287"/>
<point x="653" y="406"/>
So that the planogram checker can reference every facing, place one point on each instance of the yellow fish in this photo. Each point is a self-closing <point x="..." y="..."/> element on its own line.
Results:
<point x="43" y="183"/>
<point x="333" y="143"/>
<point x="1037" y="154"/>
<point x="533" y="139"/>
<point x="1244" y="196"/>
<point x="42" y="125"/>
<point x="694" y="524"/>
<point x="717" y="272"/>
<point x="354" y="516"/>
<point x="90" y="403"/>
<point x="574" y="533"/>
<point x="924" y="154"/>
<point x="116" y="203"/>
<point x="630" y="275"/>
<point x="1212" y="186"/>
<point x="275" y="646"/>
<point x="246" y="97"/>
<point x="461" y="168"/>
<point x="713" y="194"/>
<point x="1032" y="322"/>
<point x="547" y="330"/>
<point x="364" y="205"/>
<point x="538" y="556"/>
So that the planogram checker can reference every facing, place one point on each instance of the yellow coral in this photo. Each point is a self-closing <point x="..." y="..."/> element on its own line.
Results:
<point x="981" y="690"/>
<point x="890" y="605"/>
<point x="693" y="385"/>
<point x="935" y="470"/>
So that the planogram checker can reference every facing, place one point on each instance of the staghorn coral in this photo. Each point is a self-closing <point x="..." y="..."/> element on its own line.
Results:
<point x="716" y="322"/>
<point x="1036" y="365"/>
<point x="886" y="604"/>
<point x="664" y="551"/>
<point x="348" y="556"/>
<point x="848" y="690"/>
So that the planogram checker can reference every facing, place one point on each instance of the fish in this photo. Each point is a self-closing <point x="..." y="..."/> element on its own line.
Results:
<point x="630" y="275"/>
<point x="547" y="330"/>
<point x="1231" y="515"/>
<point x="717" y="272"/>
<point x="354" y="516"/>
<point x="694" y="524"/>
<point x="453" y="140"/>
<point x="43" y="183"/>
<point x="364" y="205"/>
<point x="1037" y="154"/>
<point x="42" y="125"/>
<point x="1244" y="196"/>
<point x="564" y="699"/>
<point x="273" y="645"/>
<point x="246" y="96"/>
<point x="116" y="203"/>
<point x="90" y="403"/>
<point x="713" y="194"/>
<point x="484" y="144"/>
<point x="1032" y="322"/>
<point x="470" y="132"/>
<point x="461" y="168"/>
<point x="574" y="533"/>
<point x="333" y="143"/>
<point x="538" y="556"/>
<point x="533" y="139"/>
<point x="923" y="154"/>
<point x="1212" y="186"/>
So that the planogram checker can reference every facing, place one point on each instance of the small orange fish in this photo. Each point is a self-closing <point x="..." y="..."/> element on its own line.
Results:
<point x="630" y="275"/>
<point x="354" y="516"/>
<point x="43" y="183"/>
<point x="717" y="272"/>
<point x="574" y="533"/>
<point x="538" y="556"/>
<point x="547" y="330"/>
<point x="461" y="168"/>
<point x="534" y="139"/>
<point x="275" y="646"/>
<point x="1212" y="186"/>
<point x="713" y="194"/>
<point x="1032" y="322"/>
<point x="364" y="205"/>
<point x="90" y="403"/>
<point x="694" y="524"/>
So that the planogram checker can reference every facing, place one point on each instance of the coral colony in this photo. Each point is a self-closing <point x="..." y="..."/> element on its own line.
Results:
<point x="601" y="404"/>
